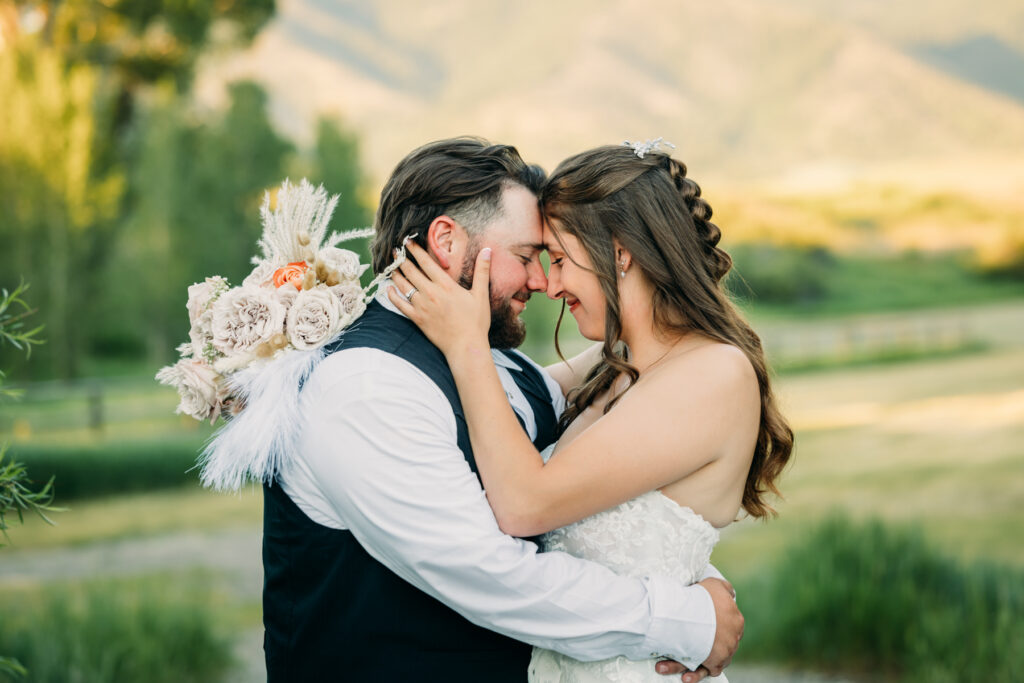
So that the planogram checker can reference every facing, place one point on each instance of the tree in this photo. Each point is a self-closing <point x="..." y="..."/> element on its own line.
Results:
<point x="198" y="186"/>
<point x="335" y="164"/>
<point x="56" y="210"/>
<point x="16" y="496"/>
<point x="73" y="74"/>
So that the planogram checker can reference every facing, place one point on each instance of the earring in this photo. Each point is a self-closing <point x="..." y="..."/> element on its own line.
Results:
<point x="623" y="264"/>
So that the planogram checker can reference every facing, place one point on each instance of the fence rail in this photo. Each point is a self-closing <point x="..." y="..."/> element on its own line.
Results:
<point x="94" y="407"/>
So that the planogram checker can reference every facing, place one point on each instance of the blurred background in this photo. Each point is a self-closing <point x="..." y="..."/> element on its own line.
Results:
<point x="865" y="162"/>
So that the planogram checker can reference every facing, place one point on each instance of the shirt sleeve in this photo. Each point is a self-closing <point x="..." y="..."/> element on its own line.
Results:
<point x="379" y="457"/>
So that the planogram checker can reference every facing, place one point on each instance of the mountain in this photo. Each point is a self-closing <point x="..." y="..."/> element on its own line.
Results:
<point x="746" y="89"/>
<point x="983" y="60"/>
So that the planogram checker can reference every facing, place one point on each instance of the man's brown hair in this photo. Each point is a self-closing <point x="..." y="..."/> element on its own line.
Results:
<point x="459" y="177"/>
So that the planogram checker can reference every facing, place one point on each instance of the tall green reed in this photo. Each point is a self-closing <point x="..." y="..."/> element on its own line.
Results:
<point x="860" y="596"/>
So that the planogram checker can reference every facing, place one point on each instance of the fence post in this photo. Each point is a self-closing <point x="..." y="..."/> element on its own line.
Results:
<point x="95" y="398"/>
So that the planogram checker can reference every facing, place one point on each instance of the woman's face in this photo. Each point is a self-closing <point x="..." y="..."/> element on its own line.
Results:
<point x="571" y="277"/>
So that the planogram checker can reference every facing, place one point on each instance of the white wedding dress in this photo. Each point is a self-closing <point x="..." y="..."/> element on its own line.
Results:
<point x="651" y="534"/>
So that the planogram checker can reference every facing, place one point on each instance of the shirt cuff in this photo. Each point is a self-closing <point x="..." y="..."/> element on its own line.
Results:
<point x="711" y="572"/>
<point x="682" y="624"/>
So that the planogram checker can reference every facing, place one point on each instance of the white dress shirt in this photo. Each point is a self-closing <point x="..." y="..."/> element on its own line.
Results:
<point x="379" y="457"/>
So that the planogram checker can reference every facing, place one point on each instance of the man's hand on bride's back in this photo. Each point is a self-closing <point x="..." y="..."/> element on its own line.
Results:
<point x="728" y="631"/>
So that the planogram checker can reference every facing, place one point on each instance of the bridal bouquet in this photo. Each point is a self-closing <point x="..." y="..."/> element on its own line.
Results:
<point x="250" y="346"/>
<point x="302" y="292"/>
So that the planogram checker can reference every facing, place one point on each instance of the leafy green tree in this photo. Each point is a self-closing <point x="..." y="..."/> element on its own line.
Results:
<point x="335" y="164"/>
<point x="56" y="211"/>
<point x="197" y="187"/>
<point x="73" y="74"/>
<point x="16" y="495"/>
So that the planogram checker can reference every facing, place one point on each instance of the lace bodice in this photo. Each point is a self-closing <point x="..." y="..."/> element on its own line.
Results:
<point x="651" y="534"/>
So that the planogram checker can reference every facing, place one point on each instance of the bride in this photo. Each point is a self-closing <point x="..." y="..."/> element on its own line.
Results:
<point x="671" y="427"/>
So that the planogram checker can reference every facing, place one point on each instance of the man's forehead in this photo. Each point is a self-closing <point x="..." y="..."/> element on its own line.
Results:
<point x="528" y="246"/>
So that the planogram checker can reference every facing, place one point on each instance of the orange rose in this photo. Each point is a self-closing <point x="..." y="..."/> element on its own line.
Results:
<point x="292" y="274"/>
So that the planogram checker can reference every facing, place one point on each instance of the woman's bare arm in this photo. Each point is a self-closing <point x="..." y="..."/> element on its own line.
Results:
<point x="570" y="373"/>
<point x="657" y="434"/>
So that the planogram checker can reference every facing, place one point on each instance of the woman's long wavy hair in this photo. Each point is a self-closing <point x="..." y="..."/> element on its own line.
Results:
<point x="648" y="206"/>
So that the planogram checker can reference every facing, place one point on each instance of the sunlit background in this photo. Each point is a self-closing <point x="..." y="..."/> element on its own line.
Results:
<point x="865" y="162"/>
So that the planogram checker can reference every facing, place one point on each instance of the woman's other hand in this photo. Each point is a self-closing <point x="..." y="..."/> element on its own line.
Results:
<point x="453" y="318"/>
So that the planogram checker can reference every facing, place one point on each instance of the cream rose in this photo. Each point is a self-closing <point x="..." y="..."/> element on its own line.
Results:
<point x="199" y="387"/>
<point x="244" y="318"/>
<point x="286" y="294"/>
<point x="342" y="261"/>
<point x="314" y="317"/>
<point x="201" y="297"/>
<point x="201" y="335"/>
<point x="261" y="275"/>
<point x="202" y="294"/>
<point x="350" y="295"/>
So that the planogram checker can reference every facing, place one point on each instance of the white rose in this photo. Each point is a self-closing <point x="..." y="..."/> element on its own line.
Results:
<point x="262" y="274"/>
<point x="314" y="317"/>
<point x="199" y="386"/>
<point x="202" y="294"/>
<point x="246" y="317"/>
<point x="350" y="295"/>
<point x="201" y="334"/>
<point x="342" y="261"/>
<point x="286" y="294"/>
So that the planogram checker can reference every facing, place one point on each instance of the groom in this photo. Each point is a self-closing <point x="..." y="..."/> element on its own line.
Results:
<point x="382" y="559"/>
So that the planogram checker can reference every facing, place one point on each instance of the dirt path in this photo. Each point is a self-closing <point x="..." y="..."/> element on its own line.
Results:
<point x="233" y="552"/>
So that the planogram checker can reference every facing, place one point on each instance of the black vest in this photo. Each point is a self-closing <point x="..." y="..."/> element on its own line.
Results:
<point x="333" y="613"/>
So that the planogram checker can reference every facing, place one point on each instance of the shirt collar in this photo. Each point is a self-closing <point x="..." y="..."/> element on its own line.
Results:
<point x="382" y="297"/>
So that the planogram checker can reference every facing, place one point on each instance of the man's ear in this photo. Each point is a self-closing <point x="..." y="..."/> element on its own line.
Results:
<point x="446" y="241"/>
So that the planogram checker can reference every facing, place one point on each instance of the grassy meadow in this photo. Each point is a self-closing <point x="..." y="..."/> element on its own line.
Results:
<point x="933" y="441"/>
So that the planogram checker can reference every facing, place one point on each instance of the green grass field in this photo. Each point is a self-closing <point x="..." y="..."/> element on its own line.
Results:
<point x="937" y="442"/>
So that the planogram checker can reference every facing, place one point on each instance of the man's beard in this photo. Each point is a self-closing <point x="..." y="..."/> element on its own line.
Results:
<point x="507" y="330"/>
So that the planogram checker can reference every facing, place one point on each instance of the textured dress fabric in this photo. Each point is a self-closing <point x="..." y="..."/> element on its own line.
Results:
<point x="651" y="534"/>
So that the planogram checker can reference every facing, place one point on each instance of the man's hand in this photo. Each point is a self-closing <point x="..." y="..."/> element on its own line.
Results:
<point x="728" y="631"/>
<point x="729" y="627"/>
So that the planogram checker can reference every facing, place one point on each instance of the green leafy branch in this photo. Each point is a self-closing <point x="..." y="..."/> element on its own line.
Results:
<point x="12" y="667"/>
<point x="13" y="312"/>
<point x="17" y="498"/>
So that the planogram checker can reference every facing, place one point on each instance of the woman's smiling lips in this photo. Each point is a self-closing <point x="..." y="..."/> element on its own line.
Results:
<point x="573" y="303"/>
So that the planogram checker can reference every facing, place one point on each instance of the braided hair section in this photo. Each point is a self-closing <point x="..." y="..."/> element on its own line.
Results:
<point x="718" y="262"/>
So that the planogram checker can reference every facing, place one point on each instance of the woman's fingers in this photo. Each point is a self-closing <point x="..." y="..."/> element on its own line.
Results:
<point x="482" y="276"/>
<point x="401" y="283"/>
<point x="427" y="265"/>
<point x="400" y="302"/>
<point x="414" y="275"/>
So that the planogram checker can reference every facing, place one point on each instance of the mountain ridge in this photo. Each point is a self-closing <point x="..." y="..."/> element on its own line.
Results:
<point x="747" y="90"/>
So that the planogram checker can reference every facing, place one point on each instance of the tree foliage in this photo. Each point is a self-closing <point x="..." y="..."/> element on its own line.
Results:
<point x="116" y="191"/>
<point x="16" y="494"/>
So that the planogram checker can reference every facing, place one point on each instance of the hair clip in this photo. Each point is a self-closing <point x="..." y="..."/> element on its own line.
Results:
<point x="642" y="148"/>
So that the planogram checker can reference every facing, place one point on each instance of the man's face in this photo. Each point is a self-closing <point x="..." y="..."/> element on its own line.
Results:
<point x="516" y="272"/>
